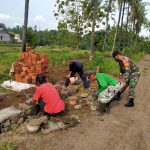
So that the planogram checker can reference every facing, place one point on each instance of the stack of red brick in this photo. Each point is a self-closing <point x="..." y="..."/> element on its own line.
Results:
<point x="29" y="65"/>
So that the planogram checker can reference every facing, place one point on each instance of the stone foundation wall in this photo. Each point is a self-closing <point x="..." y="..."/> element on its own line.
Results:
<point x="10" y="118"/>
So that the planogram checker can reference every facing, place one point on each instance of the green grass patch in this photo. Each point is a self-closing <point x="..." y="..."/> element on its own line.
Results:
<point x="59" y="59"/>
<point x="8" y="146"/>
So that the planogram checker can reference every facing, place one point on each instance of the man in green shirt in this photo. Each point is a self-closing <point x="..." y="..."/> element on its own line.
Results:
<point x="104" y="81"/>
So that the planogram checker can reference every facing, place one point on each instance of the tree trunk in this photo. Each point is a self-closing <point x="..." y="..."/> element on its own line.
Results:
<point x="120" y="12"/>
<point x="127" y="22"/>
<point x="93" y="26"/>
<point x="25" y="25"/>
<point x="107" y="19"/>
<point x="120" y="39"/>
<point x="127" y="18"/>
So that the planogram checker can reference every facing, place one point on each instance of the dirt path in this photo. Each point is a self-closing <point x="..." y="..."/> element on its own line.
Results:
<point x="122" y="129"/>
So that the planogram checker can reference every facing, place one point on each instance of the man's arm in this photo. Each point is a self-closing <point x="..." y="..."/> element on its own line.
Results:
<point x="126" y="74"/>
<point x="37" y="95"/>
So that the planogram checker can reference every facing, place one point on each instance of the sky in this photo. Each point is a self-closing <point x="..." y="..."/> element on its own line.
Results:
<point x="40" y="13"/>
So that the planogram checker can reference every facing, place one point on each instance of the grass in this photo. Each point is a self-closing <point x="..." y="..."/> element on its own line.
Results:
<point x="8" y="55"/>
<point x="59" y="58"/>
<point x="8" y="146"/>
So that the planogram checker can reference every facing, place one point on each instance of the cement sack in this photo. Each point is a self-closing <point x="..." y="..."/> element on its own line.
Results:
<point x="107" y="95"/>
<point x="16" y="86"/>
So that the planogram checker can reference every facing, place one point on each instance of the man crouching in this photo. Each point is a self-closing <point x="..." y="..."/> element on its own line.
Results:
<point x="47" y="98"/>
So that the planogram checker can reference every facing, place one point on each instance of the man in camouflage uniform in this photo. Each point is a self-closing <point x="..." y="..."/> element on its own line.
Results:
<point x="130" y="74"/>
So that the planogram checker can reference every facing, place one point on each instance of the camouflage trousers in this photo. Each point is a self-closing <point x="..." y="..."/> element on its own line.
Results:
<point x="133" y="79"/>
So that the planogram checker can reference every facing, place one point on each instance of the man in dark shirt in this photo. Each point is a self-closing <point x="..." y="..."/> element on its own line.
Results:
<point x="77" y="67"/>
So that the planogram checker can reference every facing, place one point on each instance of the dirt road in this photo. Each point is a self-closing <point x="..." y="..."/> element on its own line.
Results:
<point x="121" y="129"/>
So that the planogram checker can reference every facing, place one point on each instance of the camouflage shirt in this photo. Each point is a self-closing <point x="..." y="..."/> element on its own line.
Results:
<point x="127" y="68"/>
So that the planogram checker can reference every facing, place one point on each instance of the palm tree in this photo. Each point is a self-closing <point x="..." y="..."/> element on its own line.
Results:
<point x="107" y="22"/>
<point x="120" y="3"/>
<point x="137" y="17"/>
<point x="93" y="26"/>
<point x="25" y="25"/>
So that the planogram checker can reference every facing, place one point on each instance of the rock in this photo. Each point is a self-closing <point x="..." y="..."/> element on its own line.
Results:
<point x="6" y="124"/>
<point x="76" y="118"/>
<point x="3" y="130"/>
<point x="28" y="96"/>
<point x="72" y="100"/>
<point x="52" y="127"/>
<point x="58" y="87"/>
<point x="29" y="101"/>
<point x="61" y="125"/>
<point x="77" y="107"/>
<point x="96" y="113"/>
<point x="38" y="121"/>
<point x="76" y="88"/>
<point x="90" y="98"/>
<point x="21" y="120"/>
<point x="84" y="95"/>
<point x="14" y="126"/>
<point x="88" y="102"/>
<point x="72" y="90"/>
<point x="24" y="106"/>
<point x="8" y="113"/>
<point x="32" y="128"/>
<point x="15" y="119"/>
<point x="73" y="97"/>
<point x="93" y="106"/>
<point x="64" y="94"/>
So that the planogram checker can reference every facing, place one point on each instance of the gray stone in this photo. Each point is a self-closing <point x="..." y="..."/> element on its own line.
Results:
<point x="93" y="106"/>
<point x="72" y="97"/>
<point x="15" y="119"/>
<point x="24" y="106"/>
<point x="28" y="96"/>
<point x="29" y="101"/>
<point x="76" y="88"/>
<point x="6" y="124"/>
<point x="77" y="107"/>
<point x="21" y="120"/>
<point x="76" y="118"/>
<point x="64" y="94"/>
<point x="84" y="95"/>
<point x="72" y="90"/>
<point x="3" y="130"/>
<point x="38" y="121"/>
<point x="14" y="126"/>
<point x="90" y="98"/>
<point x="51" y="127"/>
<point x="8" y="113"/>
<point x="61" y="125"/>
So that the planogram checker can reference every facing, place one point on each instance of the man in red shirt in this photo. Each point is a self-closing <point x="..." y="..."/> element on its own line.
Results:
<point x="47" y="97"/>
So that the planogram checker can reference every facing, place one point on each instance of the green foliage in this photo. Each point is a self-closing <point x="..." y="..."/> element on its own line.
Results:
<point x="2" y="25"/>
<point x="8" y="146"/>
<point x="9" y="54"/>
<point x="2" y="90"/>
<point x="59" y="58"/>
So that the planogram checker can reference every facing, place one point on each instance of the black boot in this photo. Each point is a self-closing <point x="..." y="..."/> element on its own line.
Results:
<point x="130" y="103"/>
